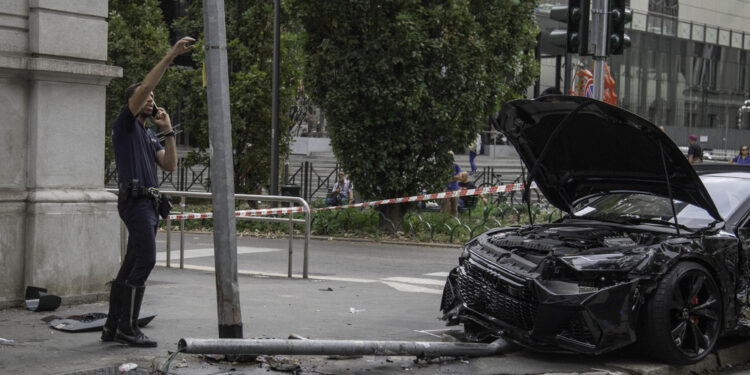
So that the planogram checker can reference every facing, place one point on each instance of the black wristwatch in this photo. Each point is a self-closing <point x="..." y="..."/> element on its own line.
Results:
<point x="170" y="134"/>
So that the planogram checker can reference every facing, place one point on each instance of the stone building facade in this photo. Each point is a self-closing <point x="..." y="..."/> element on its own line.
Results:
<point x="59" y="228"/>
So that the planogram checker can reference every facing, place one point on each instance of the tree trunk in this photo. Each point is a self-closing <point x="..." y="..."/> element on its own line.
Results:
<point x="391" y="218"/>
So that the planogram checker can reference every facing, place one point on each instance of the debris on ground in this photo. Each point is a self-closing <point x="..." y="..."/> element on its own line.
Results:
<point x="343" y="357"/>
<point x="353" y="310"/>
<point x="37" y="299"/>
<point x="329" y="289"/>
<point x="280" y="363"/>
<point x="213" y="357"/>
<point x="125" y="367"/>
<point x="7" y="341"/>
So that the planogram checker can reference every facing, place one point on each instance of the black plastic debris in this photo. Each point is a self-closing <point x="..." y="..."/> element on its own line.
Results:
<point x="37" y="299"/>
<point x="90" y="321"/>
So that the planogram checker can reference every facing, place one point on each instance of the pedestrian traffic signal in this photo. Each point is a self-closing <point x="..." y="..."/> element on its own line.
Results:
<point x="619" y="15"/>
<point x="575" y="38"/>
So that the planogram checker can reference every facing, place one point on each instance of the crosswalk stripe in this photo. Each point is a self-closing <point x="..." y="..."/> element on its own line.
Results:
<point x="401" y="287"/>
<point x="414" y="280"/>
<point x="209" y="252"/>
<point x="438" y="274"/>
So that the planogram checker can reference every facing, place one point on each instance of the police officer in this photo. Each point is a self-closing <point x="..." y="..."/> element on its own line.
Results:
<point x="137" y="150"/>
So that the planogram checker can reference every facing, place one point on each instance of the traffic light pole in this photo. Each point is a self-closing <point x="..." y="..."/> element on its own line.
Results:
<point x="222" y="175"/>
<point x="599" y="15"/>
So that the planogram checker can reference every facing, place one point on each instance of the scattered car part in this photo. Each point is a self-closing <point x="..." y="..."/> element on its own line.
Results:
<point x="37" y="299"/>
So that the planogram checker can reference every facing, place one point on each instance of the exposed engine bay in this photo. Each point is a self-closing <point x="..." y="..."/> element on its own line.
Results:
<point x="562" y="252"/>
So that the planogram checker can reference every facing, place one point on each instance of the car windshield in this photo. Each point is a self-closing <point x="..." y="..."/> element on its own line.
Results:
<point x="727" y="192"/>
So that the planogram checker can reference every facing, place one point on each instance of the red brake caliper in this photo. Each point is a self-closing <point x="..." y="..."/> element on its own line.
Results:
<point x="694" y="302"/>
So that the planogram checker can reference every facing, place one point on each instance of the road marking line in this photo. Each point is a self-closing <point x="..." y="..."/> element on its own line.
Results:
<point x="411" y="288"/>
<point x="209" y="252"/>
<point x="414" y="280"/>
<point x="273" y="274"/>
<point x="438" y="274"/>
<point x="398" y="283"/>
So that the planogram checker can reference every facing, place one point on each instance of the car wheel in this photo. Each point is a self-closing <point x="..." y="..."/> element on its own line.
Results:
<point x="682" y="319"/>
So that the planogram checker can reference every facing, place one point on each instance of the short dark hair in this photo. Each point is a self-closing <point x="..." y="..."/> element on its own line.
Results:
<point x="131" y="90"/>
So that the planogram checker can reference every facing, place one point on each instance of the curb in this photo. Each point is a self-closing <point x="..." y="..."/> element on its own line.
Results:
<point x="730" y="356"/>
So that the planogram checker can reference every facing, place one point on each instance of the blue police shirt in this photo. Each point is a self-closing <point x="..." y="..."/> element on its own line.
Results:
<point x="135" y="150"/>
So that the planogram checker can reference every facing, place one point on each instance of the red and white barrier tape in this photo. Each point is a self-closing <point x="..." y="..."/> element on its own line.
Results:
<point x="413" y="198"/>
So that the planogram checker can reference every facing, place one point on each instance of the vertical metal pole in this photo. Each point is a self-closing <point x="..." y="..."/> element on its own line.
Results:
<point x="182" y="232"/>
<point x="567" y="75"/>
<point x="307" y="240"/>
<point x="169" y="243"/>
<point x="599" y="33"/>
<point x="222" y="175"/>
<point x="275" y="103"/>
<point x="558" y="66"/>
<point x="538" y="58"/>
<point x="305" y="179"/>
<point x="291" y="236"/>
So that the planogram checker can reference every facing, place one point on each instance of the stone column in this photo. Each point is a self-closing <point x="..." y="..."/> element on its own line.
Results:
<point x="59" y="228"/>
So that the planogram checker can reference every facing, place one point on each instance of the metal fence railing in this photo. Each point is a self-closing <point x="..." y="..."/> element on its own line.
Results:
<point x="246" y="197"/>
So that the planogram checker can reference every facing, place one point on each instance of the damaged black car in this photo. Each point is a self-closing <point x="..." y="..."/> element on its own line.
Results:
<point x="650" y="250"/>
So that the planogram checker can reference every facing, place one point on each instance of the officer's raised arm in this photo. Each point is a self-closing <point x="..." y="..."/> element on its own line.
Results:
<point x="142" y="92"/>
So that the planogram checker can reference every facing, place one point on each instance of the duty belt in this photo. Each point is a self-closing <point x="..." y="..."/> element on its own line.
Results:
<point x="129" y="191"/>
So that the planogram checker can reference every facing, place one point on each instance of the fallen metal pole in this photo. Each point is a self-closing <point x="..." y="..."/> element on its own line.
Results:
<point x="340" y="347"/>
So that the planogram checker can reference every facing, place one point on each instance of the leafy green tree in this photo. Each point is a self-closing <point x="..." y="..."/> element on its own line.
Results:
<point x="249" y="27"/>
<point x="138" y="38"/>
<point x="402" y="82"/>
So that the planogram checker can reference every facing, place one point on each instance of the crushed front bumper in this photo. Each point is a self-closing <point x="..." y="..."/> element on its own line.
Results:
<point x="542" y="315"/>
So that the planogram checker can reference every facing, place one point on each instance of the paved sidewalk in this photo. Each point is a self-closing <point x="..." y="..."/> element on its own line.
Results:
<point x="185" y="301"/>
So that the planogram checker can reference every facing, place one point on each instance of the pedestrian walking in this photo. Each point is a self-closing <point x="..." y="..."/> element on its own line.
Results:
<point x="474" y="150"/>
<point x="137" y="151"/>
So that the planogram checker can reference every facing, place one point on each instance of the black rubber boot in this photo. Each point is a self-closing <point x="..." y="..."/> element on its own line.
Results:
<point x="113" y="317"/>
<point x="127" y="329"/>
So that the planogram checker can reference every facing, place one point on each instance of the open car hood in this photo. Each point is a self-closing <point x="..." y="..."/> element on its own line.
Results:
<point x="576" y="146"/>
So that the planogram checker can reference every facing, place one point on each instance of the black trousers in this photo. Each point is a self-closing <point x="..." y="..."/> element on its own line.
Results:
<point x="141" y="219"/>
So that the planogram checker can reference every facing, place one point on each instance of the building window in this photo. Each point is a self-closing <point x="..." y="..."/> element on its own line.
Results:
<point x="662" y="16"/>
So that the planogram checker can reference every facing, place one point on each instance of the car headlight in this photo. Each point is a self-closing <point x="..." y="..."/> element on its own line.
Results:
<point x="604" y="262"/>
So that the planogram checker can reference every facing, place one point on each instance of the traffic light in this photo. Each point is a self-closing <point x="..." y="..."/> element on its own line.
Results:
<point x="576" y="16"/>
<point x="619" y="15"/>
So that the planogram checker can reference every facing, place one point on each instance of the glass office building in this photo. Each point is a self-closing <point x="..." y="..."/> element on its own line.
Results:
<point x="690" y="77"/>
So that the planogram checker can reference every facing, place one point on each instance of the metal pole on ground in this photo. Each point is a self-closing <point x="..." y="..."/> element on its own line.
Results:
<point x="222" y="174"/>
<point x="340" y="347"/>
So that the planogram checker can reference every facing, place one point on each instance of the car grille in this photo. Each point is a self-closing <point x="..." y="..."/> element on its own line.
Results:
<point x="449" y="297"/>
<point x="578" y="330"/>
<point x="485" y="291"/>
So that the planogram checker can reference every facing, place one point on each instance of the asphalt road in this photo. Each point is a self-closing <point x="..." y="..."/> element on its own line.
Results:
<point x="334" y="260"/>
<point x="382" y="291"/>
<point x="356" y="291"/>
